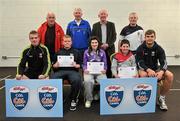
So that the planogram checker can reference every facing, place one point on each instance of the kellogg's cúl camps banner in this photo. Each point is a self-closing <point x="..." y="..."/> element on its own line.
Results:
<point x="34" y="98"/>
<point x="127" y="96"/>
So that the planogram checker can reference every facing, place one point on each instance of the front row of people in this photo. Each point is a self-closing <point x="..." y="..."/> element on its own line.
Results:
<point x="35" y="64"/>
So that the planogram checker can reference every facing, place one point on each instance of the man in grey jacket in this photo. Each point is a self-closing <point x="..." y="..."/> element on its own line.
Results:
<point x="106" y="32"/>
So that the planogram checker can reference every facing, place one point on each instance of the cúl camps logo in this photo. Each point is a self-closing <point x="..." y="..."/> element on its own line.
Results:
<point x="142" y="94"/>
<point x="47" y="96"/>
<point x="19" y="96"/>
<point x="114" y="95"/>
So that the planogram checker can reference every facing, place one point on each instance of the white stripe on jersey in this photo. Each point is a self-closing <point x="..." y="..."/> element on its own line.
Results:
<point x="136" y="38"/>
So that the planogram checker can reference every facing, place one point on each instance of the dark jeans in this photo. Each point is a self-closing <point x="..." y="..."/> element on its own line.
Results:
<point x="74" y="79"/>
<point x="108" y="71"/>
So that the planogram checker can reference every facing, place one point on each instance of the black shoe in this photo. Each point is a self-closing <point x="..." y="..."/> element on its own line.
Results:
<point x="73" y="105"/>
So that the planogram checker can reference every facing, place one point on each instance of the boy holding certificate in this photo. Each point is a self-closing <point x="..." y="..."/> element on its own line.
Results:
<point x="69" y="71"/>
<point x="94" y="66"/>
<point x="123" y="62"/>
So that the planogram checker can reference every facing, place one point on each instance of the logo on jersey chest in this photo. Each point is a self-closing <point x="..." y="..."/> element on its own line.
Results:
<point x="40" y="55"/>
<point x="151" y="54"/>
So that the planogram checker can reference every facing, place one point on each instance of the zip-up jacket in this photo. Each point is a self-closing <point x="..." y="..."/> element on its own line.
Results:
<point x="36" y="59"/>
<point x="99" y="56"/>
<point x="59" y="33"/>
<point x="80" y="34"/>
<point x="149" y="57"/>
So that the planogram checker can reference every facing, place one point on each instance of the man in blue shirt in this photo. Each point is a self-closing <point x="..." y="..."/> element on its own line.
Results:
<point x="80" y="31"/>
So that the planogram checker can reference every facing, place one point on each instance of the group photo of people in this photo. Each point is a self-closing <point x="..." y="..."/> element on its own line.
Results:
<point x="82" y="44"/>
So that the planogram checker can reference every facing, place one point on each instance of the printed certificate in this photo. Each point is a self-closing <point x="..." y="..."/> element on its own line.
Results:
<point x="127" y="72"/>
<point x="65" y="61"/>
<point x="95" y="67"/>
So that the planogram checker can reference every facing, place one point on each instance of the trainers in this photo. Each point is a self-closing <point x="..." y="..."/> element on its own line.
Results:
<point x="162" y="103"/>
<point x="96" y="96"/>
<point x="73" y="105"/>
<point x="87" y="104"/>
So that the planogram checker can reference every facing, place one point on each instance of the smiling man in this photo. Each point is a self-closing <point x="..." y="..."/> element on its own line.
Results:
<point x="147" y="56"/>
<point x="51" y="35"/>
<point x="71" y="72"/>
<point x="34" y="61"/>
<point x="133" y="32"/>
<point x="106" y="32"/>
<point x="80" y="31"/>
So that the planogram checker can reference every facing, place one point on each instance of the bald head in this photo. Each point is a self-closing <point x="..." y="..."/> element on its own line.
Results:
<point x="103" y="11"/>
<point x="103" y="14"/>
<point x="50" y="19"/>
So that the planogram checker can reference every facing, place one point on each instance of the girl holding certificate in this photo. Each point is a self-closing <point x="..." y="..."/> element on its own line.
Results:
<point x="94" y="66"/>
<point x="123" y="62"/>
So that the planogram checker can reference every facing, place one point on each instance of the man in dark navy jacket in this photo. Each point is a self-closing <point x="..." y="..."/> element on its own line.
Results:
<point x="147" y="56"/>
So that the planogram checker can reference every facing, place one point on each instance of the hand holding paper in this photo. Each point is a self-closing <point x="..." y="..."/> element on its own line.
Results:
<point x="95" y="67"/>
<point x="66" y="61"/>
<point x="127" y="72"/>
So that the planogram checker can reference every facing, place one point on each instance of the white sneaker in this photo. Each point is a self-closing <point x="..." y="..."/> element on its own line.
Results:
<point x="96" y="96"/>
<point x="73" y="105"/>
<point x="87" y="104"/>
<point x="162" y="103"/>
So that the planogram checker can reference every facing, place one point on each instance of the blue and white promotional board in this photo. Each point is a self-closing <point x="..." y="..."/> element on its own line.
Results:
<point x="34" y="98"/>
<point x="127" y="96"/>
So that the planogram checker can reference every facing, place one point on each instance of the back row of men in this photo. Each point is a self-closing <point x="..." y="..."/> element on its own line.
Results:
<point x="51" y="34"/>
<point x="93" y="46"/>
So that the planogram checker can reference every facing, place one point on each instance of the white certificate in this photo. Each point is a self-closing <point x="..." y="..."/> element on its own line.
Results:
<point x="95" y="67"/>
<point x="65" y="61"/>
<point x="127" y="72"/>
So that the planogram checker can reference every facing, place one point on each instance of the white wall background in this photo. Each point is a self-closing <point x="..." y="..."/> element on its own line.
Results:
<point x="18" y="17"/>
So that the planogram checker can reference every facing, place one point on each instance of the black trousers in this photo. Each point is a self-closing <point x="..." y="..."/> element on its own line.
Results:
<point x="74" y="79"/>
